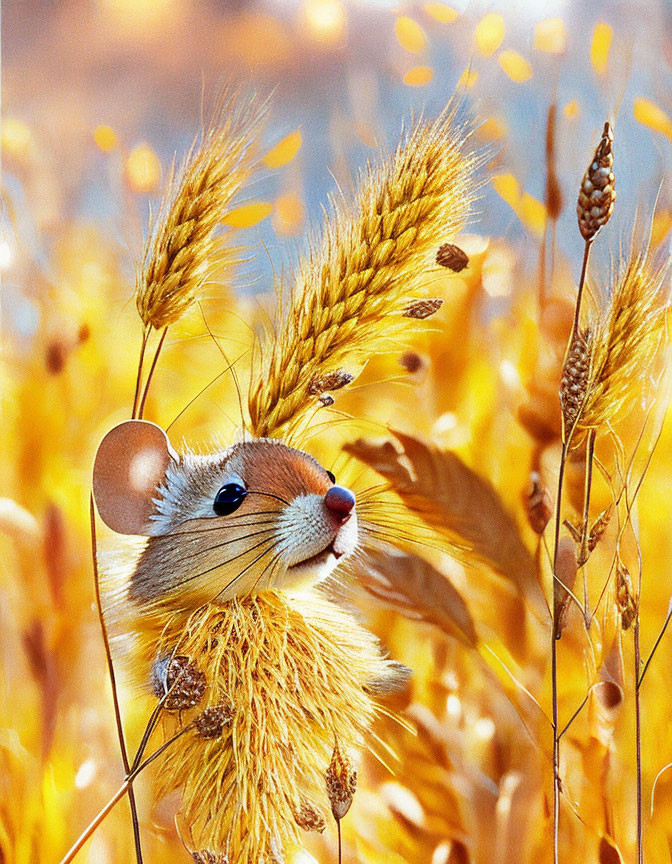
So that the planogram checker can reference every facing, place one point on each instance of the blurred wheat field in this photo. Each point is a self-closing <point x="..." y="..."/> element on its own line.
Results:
<point x="458" y="417"/>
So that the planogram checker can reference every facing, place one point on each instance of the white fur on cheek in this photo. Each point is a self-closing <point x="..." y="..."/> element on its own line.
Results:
<point x="305" y="529"/>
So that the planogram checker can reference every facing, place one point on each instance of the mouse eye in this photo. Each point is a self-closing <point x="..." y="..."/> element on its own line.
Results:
<point x="229" y="498"/>
<point x="331" y="476"/>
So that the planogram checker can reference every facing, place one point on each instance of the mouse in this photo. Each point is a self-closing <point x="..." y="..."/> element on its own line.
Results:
<point x="257" y="515"/>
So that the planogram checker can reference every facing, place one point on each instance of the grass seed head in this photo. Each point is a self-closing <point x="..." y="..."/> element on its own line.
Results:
<point x="341" y="780"/>
<point x="573" y="385"/>
<point x="565" y="577"/>
<point x="538" y="504"/>
<point x="309" y="817"/>
<point x="330" y="381"/>
<point x="423" y="308"/>
<point x="597" y="195"/>
<point x="625" y="597"/>
<point x="207" y="857"/>
<point x="623" y="343"/>
<point x="452" y="257"/>
<point x="211" y="722"/>
<point x="181" y="679"/>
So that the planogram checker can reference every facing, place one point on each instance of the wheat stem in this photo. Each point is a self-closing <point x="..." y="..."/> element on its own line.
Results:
<point x="126" y="787"/>
<point x="138" y="377"/>
<point x="655" y="647"/>
<point x="151" y="373"/>
<point x="585" y="530"/>
<point x="579" y="296"/>
<point x="638" y="741"/>
<point x="113" y="682"/>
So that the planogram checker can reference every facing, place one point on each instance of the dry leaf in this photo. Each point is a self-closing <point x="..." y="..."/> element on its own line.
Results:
<point x="456" y="501"/>
<point x="418" y="590"/>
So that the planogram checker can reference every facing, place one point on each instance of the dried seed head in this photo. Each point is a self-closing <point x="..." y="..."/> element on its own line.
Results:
<point x="341" y="782"/>
<point x="326" y="400"/>
<point x="452" y="257"/>
<point x="597" y="194"/>
<point x="574" y="382"/>
<point x="309" y="817"/>
<point x="181" y="679"/>
<point x="207" y="857"/>
<point x="330" y="381"/>
<point x="538" y="503"/>
<point x="599" y="527"/>
<point x="412" y="361"/>
<point x="423" y="308"/>
<point x="565" y="573"/>
<point x="211" y="722"/>
<point x="625" y="598"/>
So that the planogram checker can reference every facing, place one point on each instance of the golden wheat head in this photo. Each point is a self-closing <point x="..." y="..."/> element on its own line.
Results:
<point x="286" y="678"/>
<point x="182" y="249"/>
<point x="352" y="288"/>
<point x="623" y="341"/>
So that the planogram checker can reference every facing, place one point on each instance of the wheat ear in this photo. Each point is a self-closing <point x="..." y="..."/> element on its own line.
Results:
<point x="352" y="288"/>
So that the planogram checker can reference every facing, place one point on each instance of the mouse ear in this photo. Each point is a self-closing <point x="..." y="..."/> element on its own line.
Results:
<point x="131" y="463"/>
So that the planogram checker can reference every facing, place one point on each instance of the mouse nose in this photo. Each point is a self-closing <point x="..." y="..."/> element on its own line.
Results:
<point x="340" y="501"/>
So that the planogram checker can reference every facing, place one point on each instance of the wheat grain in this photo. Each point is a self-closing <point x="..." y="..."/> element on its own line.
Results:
<point x="597" y="195"/>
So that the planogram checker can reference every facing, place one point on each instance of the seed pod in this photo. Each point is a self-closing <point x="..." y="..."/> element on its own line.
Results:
<point x="452" y="257"/>
<point x="423" y="308"/>
<point x="600" y="525"/>
<point x="181" y="679"/>
<point x="211" y="722"/>
<point x="341" y="782"/>
<point x="412" y="361"/>
<point x="625" y="598"/>
<point x="330" y="381"/>
<point x="538" y="504"/>
<point x="597" y="194"/>
<point x="309" y="817"/>
<point x="574" y="381"/>
<point x="565" y="577"/>
<point x="326" y="400"/>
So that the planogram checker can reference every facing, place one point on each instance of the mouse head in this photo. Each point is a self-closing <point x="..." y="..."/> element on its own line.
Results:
<point x="257" y="515"/>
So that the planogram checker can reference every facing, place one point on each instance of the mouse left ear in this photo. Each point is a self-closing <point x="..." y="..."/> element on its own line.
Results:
<point x="130" y="465"/>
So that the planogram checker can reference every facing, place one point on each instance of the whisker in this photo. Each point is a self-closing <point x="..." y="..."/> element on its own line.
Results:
<point x="225" y="562"/>
<point x="221" y="526"/>
<point x="244" y="570"/>
<point x="190" y="555"/>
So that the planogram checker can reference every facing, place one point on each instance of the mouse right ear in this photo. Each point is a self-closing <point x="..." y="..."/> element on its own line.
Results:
<point x="130" y="465"/>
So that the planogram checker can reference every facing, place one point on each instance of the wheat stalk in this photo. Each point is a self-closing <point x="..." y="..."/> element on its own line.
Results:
<point x="353" y="286"/>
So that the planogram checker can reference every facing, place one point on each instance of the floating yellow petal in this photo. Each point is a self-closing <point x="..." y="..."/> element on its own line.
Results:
<point x="284" y="151"/>
<point x="410" y="34"/>
<point x="649" y="114"/>
<point x="248" y="215"/>
<point x="143" y="169"/>
<point x="492" y="128"/>
<point x="105" y="138"/>
<point x="490" y="33"/>
<point x="468" y="78"/>
<point x="662" y="222"/>
<point x="599" y="50"/>
<point x="441" y="12"/>
<point x="17" y="138"/>
<point x="418" y="76"/>
<point x="527" y="208"/>
<point x="515" y="66"/>
<point x="550" y="36"/>
<point x="289" y="214"/>
<point x="571" y="109"/>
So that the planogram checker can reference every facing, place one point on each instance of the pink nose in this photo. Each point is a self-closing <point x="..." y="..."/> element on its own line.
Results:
<point x="340" y="501"/>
